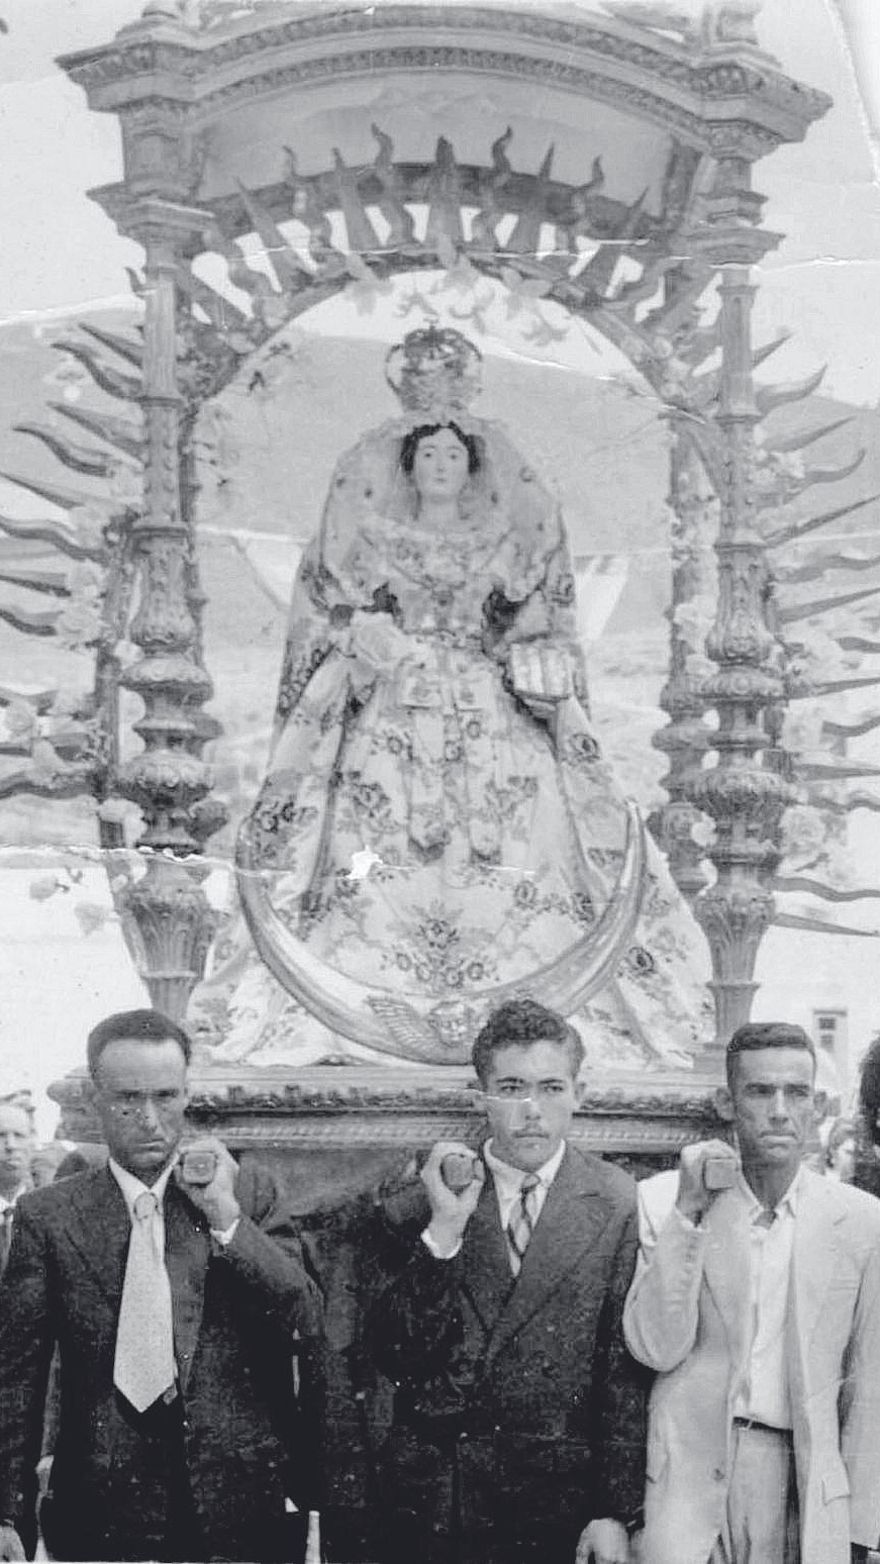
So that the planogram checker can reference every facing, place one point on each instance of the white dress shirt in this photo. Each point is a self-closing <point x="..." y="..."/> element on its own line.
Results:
<point x="131" y="1187"/>
<point x="763" y="1393"/>
<point x="508" y="1187"/>
<point x="7" y="1210"/>
<point x="8" y="1202"/>
<point x="508" y="1181"/>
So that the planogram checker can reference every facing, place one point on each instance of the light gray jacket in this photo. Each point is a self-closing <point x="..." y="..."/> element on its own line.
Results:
<point x="687" y="1317"/>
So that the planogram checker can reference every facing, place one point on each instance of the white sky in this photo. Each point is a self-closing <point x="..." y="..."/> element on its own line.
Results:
<point x="60" y="252"/>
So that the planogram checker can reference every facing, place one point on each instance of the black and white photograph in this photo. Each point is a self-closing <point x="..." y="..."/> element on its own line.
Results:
<point x="440" y="781"/>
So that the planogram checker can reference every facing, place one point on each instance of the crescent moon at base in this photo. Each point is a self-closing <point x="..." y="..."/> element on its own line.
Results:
<point x="428" y="1030"/>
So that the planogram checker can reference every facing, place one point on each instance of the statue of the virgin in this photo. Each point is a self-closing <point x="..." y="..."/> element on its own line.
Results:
<point x="437" y="829"/>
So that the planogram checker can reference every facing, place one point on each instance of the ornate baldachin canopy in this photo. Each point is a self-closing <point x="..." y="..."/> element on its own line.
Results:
<point x="643" y="197"/>
<point x="710" y="103"/>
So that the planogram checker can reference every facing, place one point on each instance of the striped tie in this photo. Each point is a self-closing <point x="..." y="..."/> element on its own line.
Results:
<point x="522" y="1221"/>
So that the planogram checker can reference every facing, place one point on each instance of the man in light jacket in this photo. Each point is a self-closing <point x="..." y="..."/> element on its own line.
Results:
<point x="757" y="1301"/>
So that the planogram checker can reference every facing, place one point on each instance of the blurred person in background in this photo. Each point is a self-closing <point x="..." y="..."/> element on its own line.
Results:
<point x="866" y="1174"/>
<point x="840" y="1151"/>
<point x="16" y="1147"/>
<point x="46" y="1160"/>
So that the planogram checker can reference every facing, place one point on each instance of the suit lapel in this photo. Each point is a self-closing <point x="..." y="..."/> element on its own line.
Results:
<point x="100" y="1234"/>
<point x="488" y="1278"/>
<point x="574" y="1215"/>
<point x="187" y="1252"/>
<point x="727" y="1266"/>
<point x="100" y="1231"/>
<point x="813" y="1256"/>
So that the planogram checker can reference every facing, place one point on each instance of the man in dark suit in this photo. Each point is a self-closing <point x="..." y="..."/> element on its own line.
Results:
<point x="173" y="1290"/>
<point x="519" y="1417"/>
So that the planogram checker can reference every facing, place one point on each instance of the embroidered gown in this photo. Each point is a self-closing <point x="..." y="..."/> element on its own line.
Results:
<point x="426" y="824"/>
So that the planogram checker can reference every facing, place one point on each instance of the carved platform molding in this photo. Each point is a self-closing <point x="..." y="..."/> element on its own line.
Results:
<point x="342" y="1127"/>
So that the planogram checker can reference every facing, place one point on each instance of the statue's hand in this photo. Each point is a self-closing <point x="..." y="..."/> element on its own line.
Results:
<point x="540" y="674"/>
<point x="540" y="671"/>
<point x="376" y="642"/>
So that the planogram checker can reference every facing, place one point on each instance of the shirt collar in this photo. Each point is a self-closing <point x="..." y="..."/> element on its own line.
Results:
<point x="787" y="1206"/>
<point x="510" y="1179"/>
<point x="131" y="1185"/>
<point x="8" y="1202"/>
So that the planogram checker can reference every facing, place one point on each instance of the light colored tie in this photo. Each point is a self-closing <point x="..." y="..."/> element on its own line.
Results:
<point x="521" y="1223"/>
<point x="143" y="1368"/>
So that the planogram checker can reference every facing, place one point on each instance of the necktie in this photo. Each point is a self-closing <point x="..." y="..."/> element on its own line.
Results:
<point x="5" y="1236"/>
<point x="143" y="1368"/>
<point x="522" y="1221"/>
<point x="765" y="1219"/>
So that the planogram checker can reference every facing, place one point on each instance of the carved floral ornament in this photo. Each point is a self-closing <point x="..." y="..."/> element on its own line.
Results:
<point x="328" y="1109"/>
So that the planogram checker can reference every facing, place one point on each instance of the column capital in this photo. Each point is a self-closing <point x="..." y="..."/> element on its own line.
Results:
<point x="153" y="218"/>
<point x="727" y="240"/>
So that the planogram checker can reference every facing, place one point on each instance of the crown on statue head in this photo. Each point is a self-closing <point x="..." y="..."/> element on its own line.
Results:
<point x="435" y="372"/>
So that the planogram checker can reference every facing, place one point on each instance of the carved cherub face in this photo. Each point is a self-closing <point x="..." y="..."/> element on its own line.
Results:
<point x="440" y="465"/>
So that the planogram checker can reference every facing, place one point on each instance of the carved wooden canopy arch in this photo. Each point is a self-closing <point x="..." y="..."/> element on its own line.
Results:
<point x="235" y="126"/>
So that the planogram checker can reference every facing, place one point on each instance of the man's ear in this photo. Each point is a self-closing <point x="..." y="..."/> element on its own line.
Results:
<point x="723" y="1099"/>
<point x="580" y="1090"/>
<point x="820" y="1103"/>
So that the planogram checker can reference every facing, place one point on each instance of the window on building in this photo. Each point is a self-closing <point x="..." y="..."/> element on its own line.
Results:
<point x="829" y="1034"/>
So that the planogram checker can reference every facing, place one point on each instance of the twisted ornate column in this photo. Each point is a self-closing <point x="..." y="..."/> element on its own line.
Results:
<point x="166" y="915"/>
<point x="685" y="737"/>
<point x="743" y="796"/>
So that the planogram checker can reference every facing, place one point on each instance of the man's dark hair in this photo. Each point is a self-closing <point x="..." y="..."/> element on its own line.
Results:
<point x="141" y="1026"/>
<point x="869" y="1090"/>
<point x="523" y="1021"/>
<point x="755" y="1035"/>
<point x="412" y="440"/>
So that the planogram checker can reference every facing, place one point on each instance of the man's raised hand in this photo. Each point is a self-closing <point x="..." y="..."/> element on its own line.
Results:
<point x="603" y="1542"/>
<point x="704" y="1170"/>
<point x="451" y="1208"/>
<point x="10" y="1544"/>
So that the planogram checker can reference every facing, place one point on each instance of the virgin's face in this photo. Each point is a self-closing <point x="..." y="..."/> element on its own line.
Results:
<point x="440" y="467"/>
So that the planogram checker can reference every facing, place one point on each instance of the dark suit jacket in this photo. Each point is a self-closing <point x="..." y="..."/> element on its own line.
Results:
<point x="235" y="1312"/>
<point x="519" y="1414"/>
